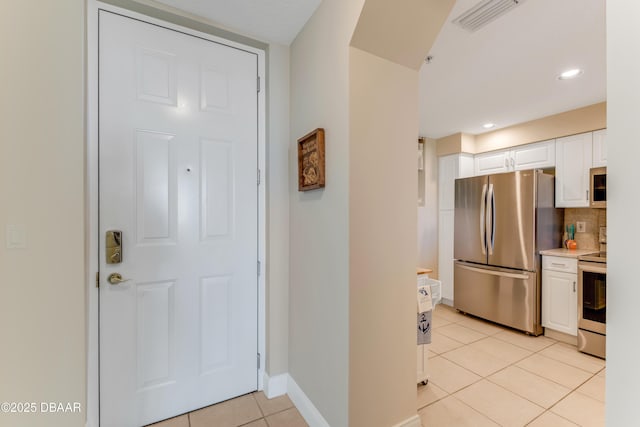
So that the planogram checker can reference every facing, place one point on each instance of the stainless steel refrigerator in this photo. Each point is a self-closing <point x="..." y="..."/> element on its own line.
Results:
<point x="502" y="221"/>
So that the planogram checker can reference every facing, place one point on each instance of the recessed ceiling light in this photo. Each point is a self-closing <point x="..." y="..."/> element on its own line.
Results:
<point x="488" y="125"/>
<point x="570" y="74"/>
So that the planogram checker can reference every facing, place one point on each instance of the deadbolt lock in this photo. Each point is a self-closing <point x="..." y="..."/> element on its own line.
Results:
<point x="113" y="246"/>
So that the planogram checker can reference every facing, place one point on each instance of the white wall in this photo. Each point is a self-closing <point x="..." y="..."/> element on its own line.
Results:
<point x="623" y="133"/>
<point x="319" y="232"/>
<point x="428" y="214"/>
<point x="42" y="287"/>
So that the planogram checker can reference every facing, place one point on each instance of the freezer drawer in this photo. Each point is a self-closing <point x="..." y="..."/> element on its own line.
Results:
<point x="508" y="297"/>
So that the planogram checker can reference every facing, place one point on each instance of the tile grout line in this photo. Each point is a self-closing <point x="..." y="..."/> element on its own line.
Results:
<point x="544" y="410"/>
<point x="514" y="364"/>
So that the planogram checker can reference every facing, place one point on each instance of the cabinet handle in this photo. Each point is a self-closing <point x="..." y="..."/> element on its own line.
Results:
<point x="555" y="264"/>
<point x="574" y="286"/>
<point x="506" y="162"/>
<point x="513" y="163"/>
<point x="587" y="194"/>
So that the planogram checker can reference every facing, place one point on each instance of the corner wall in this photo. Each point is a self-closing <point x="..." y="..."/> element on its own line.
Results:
<point x="319" y="219"/>
<point x="42" y="179"/>
<point x="623" y="134"/>
<point x="277" y="181"/>
<point x="382" y="234"/>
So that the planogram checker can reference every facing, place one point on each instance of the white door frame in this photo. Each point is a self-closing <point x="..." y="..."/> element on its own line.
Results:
<point x="92" y="249"/>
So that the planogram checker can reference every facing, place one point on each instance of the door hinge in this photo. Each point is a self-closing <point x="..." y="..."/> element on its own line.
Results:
<point x="97" y="279"/>
<point x="258" y="83"/>
<point x="258" y="176"/>
<point x="258" y="268"/>
<point x="258" y="360"/>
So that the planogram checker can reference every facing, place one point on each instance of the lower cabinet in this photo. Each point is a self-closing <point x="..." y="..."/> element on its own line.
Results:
<point x="560" y="295"/>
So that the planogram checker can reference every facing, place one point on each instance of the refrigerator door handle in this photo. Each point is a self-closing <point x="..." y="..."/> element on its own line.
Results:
<point x="493" y="219"/>
<point x="523" y="276"/>
<point x="490" y="222"/>
<point x="483" y="211"/>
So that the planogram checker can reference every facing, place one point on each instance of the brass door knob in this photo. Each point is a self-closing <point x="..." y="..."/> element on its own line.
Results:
<point x="116" y="278"/>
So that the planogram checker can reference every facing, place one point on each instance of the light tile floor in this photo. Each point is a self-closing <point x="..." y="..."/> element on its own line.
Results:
<point x="250" y="410"/>
<point x="483" y="374"/>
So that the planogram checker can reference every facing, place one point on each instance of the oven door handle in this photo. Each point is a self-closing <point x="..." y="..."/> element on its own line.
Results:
<point x="592" y="267"/>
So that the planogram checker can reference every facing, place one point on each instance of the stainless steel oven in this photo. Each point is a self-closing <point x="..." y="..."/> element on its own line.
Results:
<point x="592" y="304"/>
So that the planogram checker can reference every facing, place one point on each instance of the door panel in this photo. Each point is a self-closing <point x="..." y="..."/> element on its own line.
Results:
<point x="469" y="224"/>
<point x="178" y="173"/>
<point x="514" y="220"/>
<point x="508" y="297"/>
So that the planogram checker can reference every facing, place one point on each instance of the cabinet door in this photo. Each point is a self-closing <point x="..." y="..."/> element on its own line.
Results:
<point x="445" y="252"/>
<point x="560" y="301"/>
<point x="447" y="174"/>
<point x="493" y="162"/>
<point x="600" y="148"/>
<point x="535" y="156"/>
<point x="573" y="161"/>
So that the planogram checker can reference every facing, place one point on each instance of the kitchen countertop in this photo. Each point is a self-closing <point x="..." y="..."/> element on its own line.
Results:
<point x="568" y="253"/>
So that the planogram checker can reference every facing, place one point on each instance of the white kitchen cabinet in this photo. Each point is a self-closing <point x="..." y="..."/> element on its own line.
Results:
<point x="534" y="156"/>
<point x="530" y="156"/>
<point x="450" y="168"/>
<point x="573" y="161"/>
<point x="559" y="294"/>
<point x="600" y="148"/>
<point x="492" y="162"/>
<point x="445" y="253"/>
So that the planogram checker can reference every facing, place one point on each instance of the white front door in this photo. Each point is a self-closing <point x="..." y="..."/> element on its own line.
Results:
<point x="178" y="177"/>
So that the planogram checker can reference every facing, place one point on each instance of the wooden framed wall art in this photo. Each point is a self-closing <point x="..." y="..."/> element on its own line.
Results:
<point x="311" y="161"/>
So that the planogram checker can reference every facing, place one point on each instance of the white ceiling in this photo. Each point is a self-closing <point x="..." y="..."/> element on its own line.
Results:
<point x="506" y="72"/>
<point x="276" y="21"/>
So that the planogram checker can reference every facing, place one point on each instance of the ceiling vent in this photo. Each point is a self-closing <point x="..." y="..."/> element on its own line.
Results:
<point x="484" y="12"/>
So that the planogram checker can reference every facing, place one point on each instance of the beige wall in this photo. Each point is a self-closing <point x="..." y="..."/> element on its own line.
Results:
<point x="581" y="120"/>
<point x="382" y="195"/>
<point x="585" y="119"/>
<point x="401" y="30"/>
<point x="277" y="267"/>
<point x="42" y="145"/>
<point x="428" y="214"/>
<point x="456" y="143"/>
<point x="319" y="231"/>
<point x="623" y="205"/>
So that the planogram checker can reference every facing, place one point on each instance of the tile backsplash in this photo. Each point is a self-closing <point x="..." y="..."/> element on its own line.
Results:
<point x="594" y="219"/>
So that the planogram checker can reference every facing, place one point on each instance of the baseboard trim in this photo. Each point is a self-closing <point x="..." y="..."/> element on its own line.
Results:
<point x="275" y="386"/>
<point x="447" y="301"/>
<point x="306" y="408"/>
<point x="411" y="422"/>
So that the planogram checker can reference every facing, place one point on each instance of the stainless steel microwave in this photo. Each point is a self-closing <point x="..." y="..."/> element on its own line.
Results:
<point x="598" y="188"/>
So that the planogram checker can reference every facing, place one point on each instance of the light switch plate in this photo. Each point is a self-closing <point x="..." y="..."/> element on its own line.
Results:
<point x="581" y="227"/>
<point x="16" y="237"/>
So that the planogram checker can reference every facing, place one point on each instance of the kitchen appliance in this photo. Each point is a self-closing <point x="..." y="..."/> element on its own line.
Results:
<point x="502" y="221"/>
<point x="592" y="303"/>
<point x="598" y="188"/>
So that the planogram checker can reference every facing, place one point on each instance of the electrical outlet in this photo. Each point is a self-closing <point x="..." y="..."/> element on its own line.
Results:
<point x="581" y="227"/>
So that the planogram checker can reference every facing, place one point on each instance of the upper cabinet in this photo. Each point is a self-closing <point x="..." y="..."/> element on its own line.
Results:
<point x="492" y="162"/>
<point x="530" y="156"/>
<point x="574" y="156"/>
<point x="600" y="148"/>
